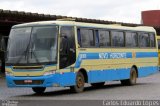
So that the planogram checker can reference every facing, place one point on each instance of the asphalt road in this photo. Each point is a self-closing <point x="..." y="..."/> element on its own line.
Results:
<point x="147" y="88"/>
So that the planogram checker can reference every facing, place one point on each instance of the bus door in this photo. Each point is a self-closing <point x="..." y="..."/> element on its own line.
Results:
<point x="67" y="47"/>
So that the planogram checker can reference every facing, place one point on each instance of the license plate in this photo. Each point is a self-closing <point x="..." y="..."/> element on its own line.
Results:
<point x="27" y="81"/>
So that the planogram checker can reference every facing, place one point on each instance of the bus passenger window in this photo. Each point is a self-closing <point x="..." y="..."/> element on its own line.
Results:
<point x="104" y="38"/>
<point x="117" y="39"/>
<point x="131" y="39"/>
<point x="158" y="44"/>
<point x="152" y="39"/>
<point x="144" y="40"/>
<point x="79" y="37"/>
<point x="87" y="38"/>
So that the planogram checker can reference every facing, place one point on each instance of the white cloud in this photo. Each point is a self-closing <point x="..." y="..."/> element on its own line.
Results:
<point x="116" y="10"/>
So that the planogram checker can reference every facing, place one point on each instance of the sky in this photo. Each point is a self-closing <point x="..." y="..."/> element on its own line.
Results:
<point x="128" y="11"/>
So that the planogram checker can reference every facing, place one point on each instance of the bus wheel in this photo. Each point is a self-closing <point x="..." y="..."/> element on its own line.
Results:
<point x="38" y="90"/>
<point x="79" y="87"/>
<point x="133" y="78"/>
<point x="100" y="84"/>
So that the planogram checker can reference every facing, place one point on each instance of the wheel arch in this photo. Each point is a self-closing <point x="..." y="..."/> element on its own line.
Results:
<point x="84" y="72"/>
<point x="134" y="66"/>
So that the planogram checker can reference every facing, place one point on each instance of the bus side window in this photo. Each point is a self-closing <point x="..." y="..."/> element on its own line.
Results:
<point x="131" y="39"/>
<point x="144" y="40"/>
<point x="158" y="44"/>
<point x="87" y="38"/>
<point x="152" y="39"/>
<point x="104" y="38"/>
<point x="117" y="39"/>
<point x="79" y="37"/>
<point x="96" y="38"/>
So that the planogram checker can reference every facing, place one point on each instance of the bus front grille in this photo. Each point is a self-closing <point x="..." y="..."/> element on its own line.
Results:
<point x="23" y="82"/>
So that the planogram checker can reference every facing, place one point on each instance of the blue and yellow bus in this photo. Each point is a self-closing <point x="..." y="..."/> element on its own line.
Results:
<point x="66" y="53"/>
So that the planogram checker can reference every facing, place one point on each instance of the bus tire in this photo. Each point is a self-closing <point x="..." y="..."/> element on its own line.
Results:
<point x="133" y="78"/>
<point x="100" y="84"/>
<point x="39" y="90"/>
<point x="80" y="82"/>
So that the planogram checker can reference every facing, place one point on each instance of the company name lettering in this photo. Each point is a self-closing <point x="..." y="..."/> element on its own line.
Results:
<point x="112" y="55"/>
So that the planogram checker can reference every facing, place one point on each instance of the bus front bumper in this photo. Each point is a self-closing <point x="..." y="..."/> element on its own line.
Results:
<point x="55" y="80"/>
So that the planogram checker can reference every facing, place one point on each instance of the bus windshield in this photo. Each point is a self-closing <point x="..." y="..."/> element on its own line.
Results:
<point x="32" y="45"/>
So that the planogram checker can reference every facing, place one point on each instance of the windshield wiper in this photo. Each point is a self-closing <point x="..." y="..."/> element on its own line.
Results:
<point x="34" y="54"/>
<point x="25" y="52"/>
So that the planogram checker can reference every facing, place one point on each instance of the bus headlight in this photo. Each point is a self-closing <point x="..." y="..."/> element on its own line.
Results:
<point x="50" y="72"/>
<point x="9" y="73"/>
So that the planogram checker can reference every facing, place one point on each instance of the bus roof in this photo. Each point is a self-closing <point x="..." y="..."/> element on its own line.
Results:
<point x="90" y="25"/>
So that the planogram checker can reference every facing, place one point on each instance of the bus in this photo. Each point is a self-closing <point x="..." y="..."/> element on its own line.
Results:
<point x="66" y="53"/>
